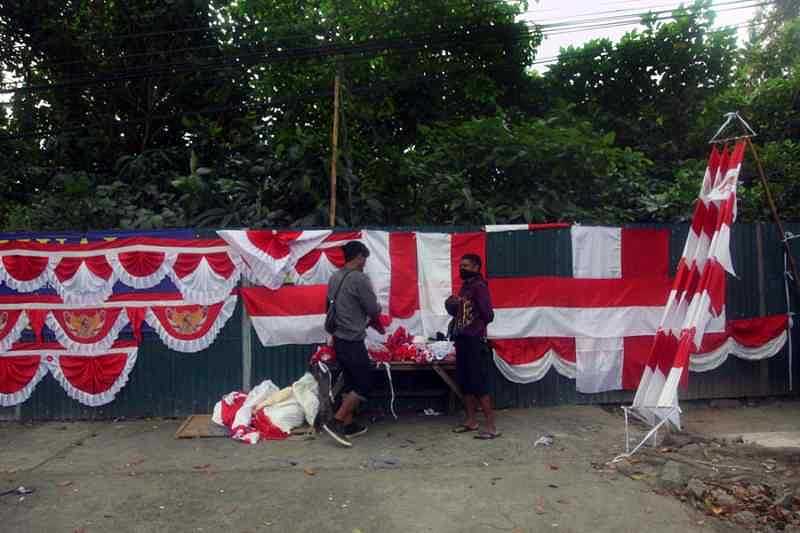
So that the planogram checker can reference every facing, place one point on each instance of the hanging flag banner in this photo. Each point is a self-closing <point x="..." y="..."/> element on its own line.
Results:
<point x="92" y="379"/>
<point x="697" y="297"/>
<point x="204" y="271"/>
<point x="181" y="325"/>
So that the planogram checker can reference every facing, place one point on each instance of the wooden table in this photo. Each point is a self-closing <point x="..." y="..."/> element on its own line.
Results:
<point x="440" y="368"/>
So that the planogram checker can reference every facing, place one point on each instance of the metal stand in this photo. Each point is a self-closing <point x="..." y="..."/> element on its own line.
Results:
<point x="652" y="433"/>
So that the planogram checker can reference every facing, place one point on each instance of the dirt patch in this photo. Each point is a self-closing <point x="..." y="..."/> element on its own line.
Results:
<point x="742" y="485"/>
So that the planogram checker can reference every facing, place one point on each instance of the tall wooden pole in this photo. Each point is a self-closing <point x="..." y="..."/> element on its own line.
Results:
<point x="335" y="150"/>
<point x="774" y="210"/>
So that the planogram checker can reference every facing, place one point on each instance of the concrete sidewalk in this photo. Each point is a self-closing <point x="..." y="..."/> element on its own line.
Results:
<point x="407" y="476"/>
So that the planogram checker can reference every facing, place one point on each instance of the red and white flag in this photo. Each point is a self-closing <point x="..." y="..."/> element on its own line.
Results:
<point x="698" y="291"/>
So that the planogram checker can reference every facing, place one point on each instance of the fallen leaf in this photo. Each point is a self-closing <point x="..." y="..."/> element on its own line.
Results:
<point x="553" y="467"/>
<point x="553" y="486"/>
<point x="717" y="510"/>
<point x="201" y="467"/>
<point x="309" y="471"/>
<point x="64" y="483"/>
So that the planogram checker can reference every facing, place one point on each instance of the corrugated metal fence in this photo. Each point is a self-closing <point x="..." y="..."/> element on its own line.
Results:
<point x="166" y="383"/>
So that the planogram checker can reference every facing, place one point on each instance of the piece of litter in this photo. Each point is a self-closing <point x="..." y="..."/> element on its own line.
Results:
<point x="545" y="440"/>
<point x="22" y="491"/>
<point x="309" y="471"/>
<point x="201" y="467"/>
<point x="485" y="464"/>
<point x="222" y="491"/>
<point x="431" y="412"/>
<point x="64" y="483"/>
<point x="553" y="486"/>
<point x="384" y="462"/>
<point x="553" y="467"/>
<point x="161" y="507"/>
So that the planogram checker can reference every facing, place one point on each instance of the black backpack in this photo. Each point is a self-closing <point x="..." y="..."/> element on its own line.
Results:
<point x="330" y="315"/>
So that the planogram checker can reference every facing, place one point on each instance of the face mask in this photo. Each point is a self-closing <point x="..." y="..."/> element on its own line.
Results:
<point x="467" y="274"/>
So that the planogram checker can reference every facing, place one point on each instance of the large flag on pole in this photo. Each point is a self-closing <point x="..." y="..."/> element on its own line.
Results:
<point x="698" y="291"/>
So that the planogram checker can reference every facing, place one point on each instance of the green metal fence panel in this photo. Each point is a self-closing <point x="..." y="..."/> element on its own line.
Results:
<point x="546" y="252"/>
<point x="166" y="383"/>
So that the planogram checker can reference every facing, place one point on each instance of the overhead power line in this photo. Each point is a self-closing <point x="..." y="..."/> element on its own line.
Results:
<point x="557" y="28"/>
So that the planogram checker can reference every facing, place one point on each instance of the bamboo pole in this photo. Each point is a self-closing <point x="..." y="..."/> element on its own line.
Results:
<point x="335" y="149"/>
<point x="774" y="210"/>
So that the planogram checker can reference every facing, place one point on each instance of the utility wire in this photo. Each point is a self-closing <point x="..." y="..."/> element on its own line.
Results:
<point x="556" y="28"/>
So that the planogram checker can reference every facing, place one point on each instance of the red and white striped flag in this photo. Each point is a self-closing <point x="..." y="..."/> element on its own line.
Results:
<point x="698" y="291"/>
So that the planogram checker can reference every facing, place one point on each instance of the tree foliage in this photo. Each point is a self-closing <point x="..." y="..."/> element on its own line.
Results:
<point x="164" y="113"/>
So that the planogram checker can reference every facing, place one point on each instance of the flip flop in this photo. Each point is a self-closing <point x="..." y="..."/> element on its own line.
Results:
<point x="464" y="429"/>
<point x="485" y="435"/>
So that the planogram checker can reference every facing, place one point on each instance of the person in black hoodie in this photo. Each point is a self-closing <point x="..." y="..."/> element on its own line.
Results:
<point x="472" y="312"/>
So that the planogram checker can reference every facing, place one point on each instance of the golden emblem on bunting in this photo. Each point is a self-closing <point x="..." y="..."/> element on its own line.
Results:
<point x="85" y="324"/>
<point x="187" y="321"/>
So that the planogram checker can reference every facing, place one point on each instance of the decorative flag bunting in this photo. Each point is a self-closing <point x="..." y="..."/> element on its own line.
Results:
<point x="698" y="292"/>
<point x="204" y="271"/>
<point x="272" y="255"/>
<point x="190" y="328"/>
<point x="12" y="323"/>
<point x="77" y="292"/>
<point x="19" y="375"/>
<point x="182" y="326"/>
<point x="317" y="266"/>
<point x="92" y="379"/>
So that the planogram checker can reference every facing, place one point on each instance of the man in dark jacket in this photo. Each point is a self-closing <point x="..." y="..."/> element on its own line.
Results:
<point x="356" y="308"/>
<point x="472" y="312"/>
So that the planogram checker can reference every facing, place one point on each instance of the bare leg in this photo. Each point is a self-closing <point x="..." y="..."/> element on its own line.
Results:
<point x="486" y="407"/>
<point x="471" y="406"/>
<point x="349" y="405"/>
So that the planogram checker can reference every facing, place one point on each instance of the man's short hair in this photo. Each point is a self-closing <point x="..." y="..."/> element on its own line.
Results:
<point x="354" y="249"/>
<point x="475" y="259"/>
